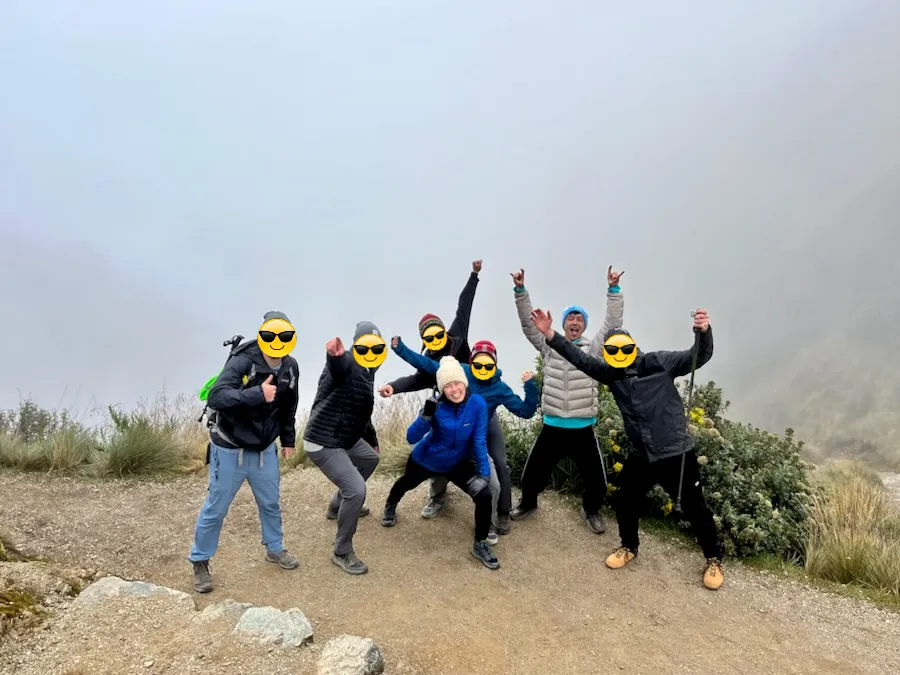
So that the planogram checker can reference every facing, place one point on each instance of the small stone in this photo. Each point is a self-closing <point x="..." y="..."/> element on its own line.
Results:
<point x="351" y="655"/>
<point x="148" y="664"/>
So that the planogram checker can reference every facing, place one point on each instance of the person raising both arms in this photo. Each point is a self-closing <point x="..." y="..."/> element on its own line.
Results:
<point x="483" y="378"/>
<point x="450" y="437"/>
<point x="437" y="342"/>
<point x="643" y="385"/>
<point x="569" y="403"/>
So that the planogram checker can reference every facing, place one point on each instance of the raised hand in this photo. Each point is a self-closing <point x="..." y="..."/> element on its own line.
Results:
<point x="395" y="342"/>
<point x="542" y="321"/>
<point x="335" y="347"/>
<point x="386" y="391"/>
<point x="612" y="278"/>
<point x="527" y="375"/>
<point x="476" y="266"/>
<point x="701" y="320"/>
<point x="518" y="278"/>
<point x="269" y="389"/>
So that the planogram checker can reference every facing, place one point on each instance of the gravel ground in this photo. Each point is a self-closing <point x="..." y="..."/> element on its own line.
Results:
<point x="551" y="608"/>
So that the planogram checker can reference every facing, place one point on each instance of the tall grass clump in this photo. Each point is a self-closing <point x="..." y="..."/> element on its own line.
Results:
<point x="855" y="531"/>
<point x="391" y="418"/>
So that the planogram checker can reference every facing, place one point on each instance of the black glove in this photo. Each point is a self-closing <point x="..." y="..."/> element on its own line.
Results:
<point x="429" y="408"/>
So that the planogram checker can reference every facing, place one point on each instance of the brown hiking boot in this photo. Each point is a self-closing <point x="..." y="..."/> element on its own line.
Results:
<point x="620" y="557"/>
<point x="713" y="574"/>
<point x="202" y="579"/>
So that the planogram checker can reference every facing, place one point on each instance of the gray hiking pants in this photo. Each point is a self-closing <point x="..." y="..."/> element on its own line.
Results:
<point x="500" y="483"/>
<point x="349" y="469"/>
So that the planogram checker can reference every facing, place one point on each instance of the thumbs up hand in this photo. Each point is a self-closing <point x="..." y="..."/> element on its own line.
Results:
<point x="269" y="389"/>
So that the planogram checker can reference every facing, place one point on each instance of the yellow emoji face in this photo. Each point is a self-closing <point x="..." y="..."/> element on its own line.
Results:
<point x="276" y="338"/>
<point x="434" y="338"/>
<point x="620" y="351"/>
<point x="370" y="351"/>
<point x="483" y="367"/>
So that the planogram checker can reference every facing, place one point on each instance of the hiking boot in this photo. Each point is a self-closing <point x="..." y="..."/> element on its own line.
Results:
<point x="202" y="579"/>
<point x="492" y="537"/>
<point x="432" y="508"/>
<point x="594" y="521"/>
<point x="620" y="557"/>
<point x="350" y="563"/>
<point x="521" y="513"/>
<point x="483" y="552"/>
<point x="332" y="515"/>
<point x="713" y="574"/>
<point x="502" y="524"/>
<point x="284" y="559"/>
<point x="389" y="518"/>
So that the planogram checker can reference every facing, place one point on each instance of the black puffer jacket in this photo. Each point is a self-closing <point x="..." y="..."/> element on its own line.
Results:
<point x="652" y="409"/>
<point x="242" y="417"/>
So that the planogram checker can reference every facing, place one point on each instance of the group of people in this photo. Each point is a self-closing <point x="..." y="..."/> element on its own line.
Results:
<point x="457" y="436"/>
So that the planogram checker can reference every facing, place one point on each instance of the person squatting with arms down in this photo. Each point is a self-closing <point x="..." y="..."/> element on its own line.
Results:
<point x="643" y="385"/>
<point x="450" y="436"/>
<point x="437" y="342"/>
<point x="569" y="404"/>
<point x="483" y="378"/>
<point x="254" y="400"/>
<point x="339" y="424"/>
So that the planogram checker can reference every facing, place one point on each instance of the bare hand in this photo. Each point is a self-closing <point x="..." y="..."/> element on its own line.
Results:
<point x="518" y="278"/>
<point x="527" y="375"/>
<point x="542" y="321"/>
<point x="701" y="320"/>
<point x="287" y="452"/>
<point x="335" y="347"/>
<point x="386" y="391"/>
<point x="395" y="342"/>
<point x="476" y="266"/>
<point x="269" y="389"/>
<point x="613" y="277"/>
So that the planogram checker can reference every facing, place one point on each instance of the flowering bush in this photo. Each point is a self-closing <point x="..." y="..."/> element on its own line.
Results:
<point x="755" y="482"/>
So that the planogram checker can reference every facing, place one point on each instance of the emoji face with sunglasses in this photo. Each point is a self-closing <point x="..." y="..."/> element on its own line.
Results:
<point x="483" y="367"/>
<point x="276" y="338"/>
<point x="369" y="350"/>
<point x="620" y="350"/>
<point x="434" y="338"/>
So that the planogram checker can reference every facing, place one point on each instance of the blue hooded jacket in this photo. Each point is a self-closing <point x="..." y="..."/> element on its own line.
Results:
<point x="456" y="432"/>
<point x="494" y="391"/>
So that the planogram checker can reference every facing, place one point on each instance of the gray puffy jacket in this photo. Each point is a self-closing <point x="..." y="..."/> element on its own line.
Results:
<point x="567" y="391"/>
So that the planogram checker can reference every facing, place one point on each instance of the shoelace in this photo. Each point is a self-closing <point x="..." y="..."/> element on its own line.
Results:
<point x="713" y="567"/>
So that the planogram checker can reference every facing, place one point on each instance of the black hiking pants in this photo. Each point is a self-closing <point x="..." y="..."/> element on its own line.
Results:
<point x="554" y="443"/>
<point x="639" y="475"/>
<point x="460" y="475"/>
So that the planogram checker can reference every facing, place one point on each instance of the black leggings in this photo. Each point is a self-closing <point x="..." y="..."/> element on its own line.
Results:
<point x="460" y="475"/>
<point x="639" y="475"/>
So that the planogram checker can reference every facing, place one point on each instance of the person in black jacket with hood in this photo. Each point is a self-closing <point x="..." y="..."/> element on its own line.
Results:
<point x="335" y="438"/>
<point x="452" y="342"/>
<point x="654" y="418"/>
<point x="255" y="401"/>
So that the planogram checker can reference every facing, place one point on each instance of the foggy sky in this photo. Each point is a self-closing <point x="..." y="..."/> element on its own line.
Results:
<point x="169" y="171"/>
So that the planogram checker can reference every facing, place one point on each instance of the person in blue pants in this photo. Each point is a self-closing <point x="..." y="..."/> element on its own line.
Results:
<point x="255" y="400"/>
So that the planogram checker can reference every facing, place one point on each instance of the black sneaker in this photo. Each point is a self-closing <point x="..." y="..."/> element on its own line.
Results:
<point x="502" y="525"/>
<point x="482" y="551"/>
<point x="202" y="578"/>
<point x="520" y="513"/>
<point x="389" y="518"/>
<point x="594" y="521"/>
<point x="349" y="563"/>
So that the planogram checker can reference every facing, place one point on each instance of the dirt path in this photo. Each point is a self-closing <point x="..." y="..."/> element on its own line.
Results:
<point x="552" y="608"/>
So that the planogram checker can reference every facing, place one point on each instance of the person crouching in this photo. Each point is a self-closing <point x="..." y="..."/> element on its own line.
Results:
<point x="450" y="436"/>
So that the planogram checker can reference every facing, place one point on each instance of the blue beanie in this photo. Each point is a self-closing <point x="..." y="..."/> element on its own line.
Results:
<point x="575" y="308"/>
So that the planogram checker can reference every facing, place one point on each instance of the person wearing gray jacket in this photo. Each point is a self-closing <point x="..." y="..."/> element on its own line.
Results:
<point x="569" y="405"/>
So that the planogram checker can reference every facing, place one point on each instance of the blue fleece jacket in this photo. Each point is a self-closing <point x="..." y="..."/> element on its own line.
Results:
<point x="494" y="391"/>
<point x="456" y="432"/>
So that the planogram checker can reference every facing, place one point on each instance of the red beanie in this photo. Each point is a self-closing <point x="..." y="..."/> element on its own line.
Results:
<point x="483" y="347"/>
<point x="429" y="320"/>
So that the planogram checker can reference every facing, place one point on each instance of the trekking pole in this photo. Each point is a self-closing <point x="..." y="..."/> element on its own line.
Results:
<point x="694" y="349"/>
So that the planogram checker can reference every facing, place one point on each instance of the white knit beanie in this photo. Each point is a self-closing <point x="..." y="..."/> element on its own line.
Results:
<point x="450" y="371"/>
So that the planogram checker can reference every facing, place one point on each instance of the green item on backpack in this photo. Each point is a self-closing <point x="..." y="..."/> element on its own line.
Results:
<point x="205" y="389"/>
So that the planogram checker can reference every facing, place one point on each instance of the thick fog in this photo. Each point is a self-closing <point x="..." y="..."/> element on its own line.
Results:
<point x="169" y="171"/>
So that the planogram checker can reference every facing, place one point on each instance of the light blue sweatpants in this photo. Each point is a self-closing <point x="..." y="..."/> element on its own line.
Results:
<point x="227" y="471"/>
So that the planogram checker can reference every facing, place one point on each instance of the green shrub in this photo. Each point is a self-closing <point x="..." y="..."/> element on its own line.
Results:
<point x="138" y="445"/>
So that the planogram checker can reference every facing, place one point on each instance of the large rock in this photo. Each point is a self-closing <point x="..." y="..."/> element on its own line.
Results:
<point x="108" y="588"/>
<point x="226" y="610"/>
<point x="351" y="655"/>
<point x="267" y="624"/>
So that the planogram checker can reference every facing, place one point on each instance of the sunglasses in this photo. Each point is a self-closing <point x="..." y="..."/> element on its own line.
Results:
<point x="431" y="338"/>
<point x="612" y="350"/>
<point x="362" y="350"/>
<point x="269" y="336"/>
<point x="484" y="366"/>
